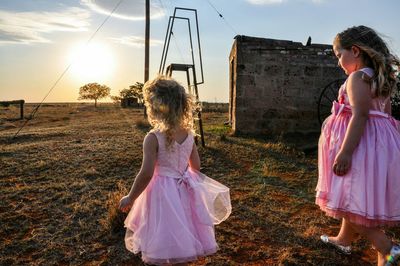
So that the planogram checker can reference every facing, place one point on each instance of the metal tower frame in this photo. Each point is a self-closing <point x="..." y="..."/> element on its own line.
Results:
<point x="192" y="84"/>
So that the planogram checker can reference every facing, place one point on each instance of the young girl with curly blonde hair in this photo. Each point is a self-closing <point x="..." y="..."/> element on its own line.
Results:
<point x="173" y="207"/>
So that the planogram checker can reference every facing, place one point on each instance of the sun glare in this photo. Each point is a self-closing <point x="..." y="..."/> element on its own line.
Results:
<point x="91" y="63"/>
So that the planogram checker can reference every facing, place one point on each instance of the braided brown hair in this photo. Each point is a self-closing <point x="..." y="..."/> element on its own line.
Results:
<point x="376" y="55"/>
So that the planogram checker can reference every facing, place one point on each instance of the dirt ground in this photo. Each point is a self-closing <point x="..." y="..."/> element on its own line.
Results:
<point x="61" y="177"/>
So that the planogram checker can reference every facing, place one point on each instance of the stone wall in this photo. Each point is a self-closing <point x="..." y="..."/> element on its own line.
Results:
<point x="275" y="84"/>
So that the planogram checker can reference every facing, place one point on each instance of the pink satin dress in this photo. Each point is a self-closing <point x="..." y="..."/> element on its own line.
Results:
<point x="369" y="193"/>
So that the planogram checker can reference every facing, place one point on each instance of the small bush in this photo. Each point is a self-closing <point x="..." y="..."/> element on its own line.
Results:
<point x="114" y="221"/>
<point x="222" y="137"/>
<point x="142" y="124"/>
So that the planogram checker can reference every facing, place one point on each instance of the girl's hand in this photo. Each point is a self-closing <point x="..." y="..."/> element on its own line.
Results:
<point x="342" y="163"/>
<point x="125" y="204"/>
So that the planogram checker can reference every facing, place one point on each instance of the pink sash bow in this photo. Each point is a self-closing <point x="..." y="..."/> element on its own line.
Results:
<point x="338" y="108"/>
<point x="192" y="192"/>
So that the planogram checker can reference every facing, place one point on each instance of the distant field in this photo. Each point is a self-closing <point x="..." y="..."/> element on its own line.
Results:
<point x="61" y="177"/>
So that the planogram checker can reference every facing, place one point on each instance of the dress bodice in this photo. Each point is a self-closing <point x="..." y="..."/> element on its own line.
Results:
<point x="175" y="159"/>
<point x="381" y="104"/>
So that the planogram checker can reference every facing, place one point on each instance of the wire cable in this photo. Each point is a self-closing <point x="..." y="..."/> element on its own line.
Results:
<point x="221" y="16"/>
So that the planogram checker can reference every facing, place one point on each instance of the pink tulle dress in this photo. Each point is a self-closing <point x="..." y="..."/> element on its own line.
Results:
<point x="368" y="194"/>
<point x="172" y="221"/>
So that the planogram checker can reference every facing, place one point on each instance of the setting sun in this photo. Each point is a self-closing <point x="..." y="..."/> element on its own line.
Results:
<point x="91" y="63"/>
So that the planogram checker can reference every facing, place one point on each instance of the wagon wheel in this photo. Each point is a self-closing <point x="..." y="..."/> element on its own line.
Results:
<point x="396" y="103"/>
<point x="328" y="95"/>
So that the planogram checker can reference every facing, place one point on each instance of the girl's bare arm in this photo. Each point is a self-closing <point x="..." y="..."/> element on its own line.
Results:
<point x="194" y="160"/>
<point x="145" y="174"/>
<point x="360" y="100"/>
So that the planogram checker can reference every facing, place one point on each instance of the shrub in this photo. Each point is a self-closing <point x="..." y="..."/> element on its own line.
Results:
<point x="114" y="221"/>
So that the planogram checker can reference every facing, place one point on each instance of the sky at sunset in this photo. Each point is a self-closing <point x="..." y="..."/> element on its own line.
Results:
<point x="40" y="39"/>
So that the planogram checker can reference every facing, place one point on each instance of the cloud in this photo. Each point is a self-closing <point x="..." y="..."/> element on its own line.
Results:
<point x="135" y="41"/>
<point x="128" y="9"/>
<point x="29" y="27"/>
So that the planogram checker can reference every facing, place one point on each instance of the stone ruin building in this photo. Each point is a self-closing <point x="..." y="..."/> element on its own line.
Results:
<point x="274" y="85"/>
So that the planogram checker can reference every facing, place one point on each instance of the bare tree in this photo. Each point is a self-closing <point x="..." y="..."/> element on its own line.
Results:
<point x="93" y="91"/>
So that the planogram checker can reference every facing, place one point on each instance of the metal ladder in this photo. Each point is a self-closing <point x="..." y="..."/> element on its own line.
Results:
<point x="188" y="68"/>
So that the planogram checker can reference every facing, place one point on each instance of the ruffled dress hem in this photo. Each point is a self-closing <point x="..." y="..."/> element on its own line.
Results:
<point x="132" y="244"/>
<point x="355" y="218"/>
<point x="157" y="261"/>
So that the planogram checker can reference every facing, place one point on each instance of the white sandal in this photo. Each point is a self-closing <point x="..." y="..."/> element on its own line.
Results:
<point x="343" y="249"/>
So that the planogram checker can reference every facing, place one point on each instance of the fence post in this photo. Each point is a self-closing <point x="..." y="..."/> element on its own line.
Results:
<point x="21" y="104"/>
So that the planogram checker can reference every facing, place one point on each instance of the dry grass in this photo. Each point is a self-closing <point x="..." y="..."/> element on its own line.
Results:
<point x="215" y="107"/>
<point x="114" y="221"/>
<point x="62" y="177"/>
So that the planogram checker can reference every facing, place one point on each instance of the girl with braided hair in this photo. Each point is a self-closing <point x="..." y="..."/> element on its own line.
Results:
<point x="359" y="146"/>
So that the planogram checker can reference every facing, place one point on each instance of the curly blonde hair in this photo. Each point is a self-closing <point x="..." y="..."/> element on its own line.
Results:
<point x="376" y="55"/>
<point x="168" y="106"/>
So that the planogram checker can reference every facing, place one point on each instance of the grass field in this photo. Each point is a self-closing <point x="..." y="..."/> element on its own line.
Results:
<point x="61" y="177"/>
